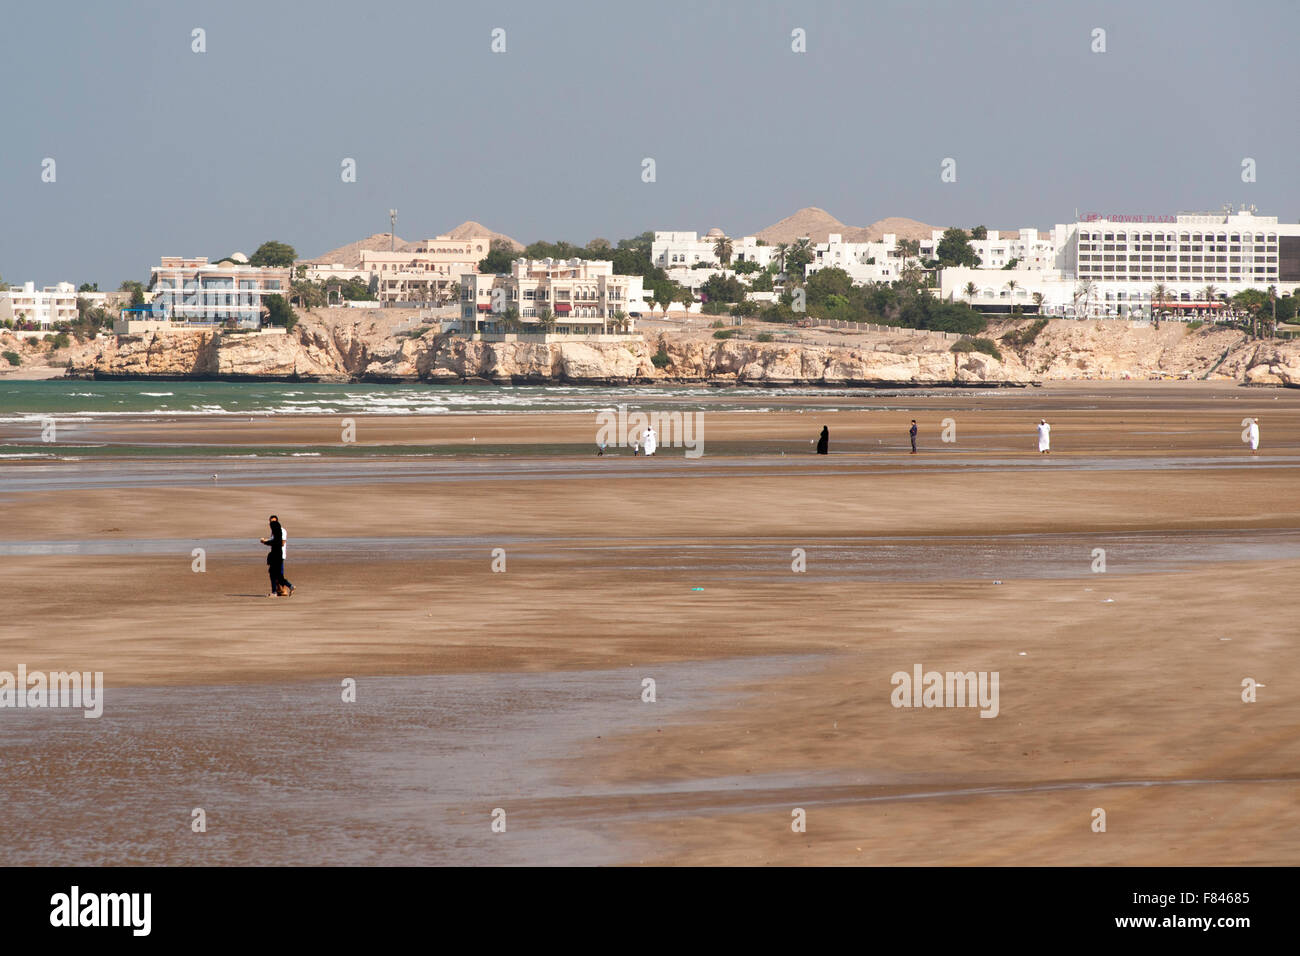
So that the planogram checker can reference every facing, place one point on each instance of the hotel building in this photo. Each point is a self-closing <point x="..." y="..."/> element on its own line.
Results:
<point x="1110" y="266"/>
<point x="582" y="295"/>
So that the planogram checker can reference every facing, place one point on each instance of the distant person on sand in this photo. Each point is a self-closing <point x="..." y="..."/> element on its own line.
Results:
<point x="824" y="442"/>
<point x="1044" y="437"/>
<point x="1252" y="436"/>
<point x="911" y="433"/>
<point x="280" y="586"/>
<point x="651" y="441"/>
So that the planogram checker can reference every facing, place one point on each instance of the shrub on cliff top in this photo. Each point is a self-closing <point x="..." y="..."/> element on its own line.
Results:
<point x="660" y="359"/>
<point x="977" y="345"/>
<point x="724" y="333"/>
<point x="12" y="358"/>
<point x="1018" y="338"/>
<point x="765" y="336"/>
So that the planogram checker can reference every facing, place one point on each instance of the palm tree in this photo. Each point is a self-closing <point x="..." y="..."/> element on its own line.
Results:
<point x="781" y="249"/>
<point x="620" y="321"/>
<point x="722" y="249"/>
<point x="1011" y="286"/>
<point x="1038" y="301"/>
<point x="970" y="291"/>
<point x="1159" y="293"/>
<point x="663" y="299"/>
<point x="1085" y="291"/>
<point x="1209" y="294"/>
<point x="1272" y="298"/>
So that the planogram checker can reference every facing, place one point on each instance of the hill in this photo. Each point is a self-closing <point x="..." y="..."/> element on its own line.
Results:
<point x="817" y="224"/>
<point x="350" y="255"/>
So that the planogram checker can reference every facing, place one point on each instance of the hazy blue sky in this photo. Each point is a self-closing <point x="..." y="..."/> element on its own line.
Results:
<point x="160" y="150"/>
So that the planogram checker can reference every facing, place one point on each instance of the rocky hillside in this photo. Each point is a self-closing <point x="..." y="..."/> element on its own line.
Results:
<point x="388" y="348"/>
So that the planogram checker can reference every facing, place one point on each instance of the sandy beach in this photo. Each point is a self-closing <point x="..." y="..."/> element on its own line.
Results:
<point x="1119" y="689"/>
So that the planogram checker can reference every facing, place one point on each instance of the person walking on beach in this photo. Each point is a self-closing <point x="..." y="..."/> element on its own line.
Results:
<point x="911" y="433"/>
<point x="1252" y="436"/>
<point x="650" y="440"/>
<point x="824" y="442"/>
<point x="1044" y="437"/>
<point x="280" y="586"/>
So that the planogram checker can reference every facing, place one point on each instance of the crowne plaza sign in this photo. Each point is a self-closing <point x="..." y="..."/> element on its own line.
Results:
<point x="1117" y="217"/>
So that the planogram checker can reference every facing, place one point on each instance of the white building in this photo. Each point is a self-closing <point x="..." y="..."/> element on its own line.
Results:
<point x="863" y="261"/>
<point x="682" y="250"/>
<point x="1110" y="266"/>
<point x="581" y="295"/>
<point x="47" y="306"/>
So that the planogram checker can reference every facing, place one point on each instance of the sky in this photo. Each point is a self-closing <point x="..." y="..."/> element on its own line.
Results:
<point x="161" y="150"/>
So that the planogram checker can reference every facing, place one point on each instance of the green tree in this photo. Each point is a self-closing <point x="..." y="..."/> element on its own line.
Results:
<point x="1251" y="302"/>
<point x="510" y="321"/>
<point x="1038" y="301"/>
<point x="276" y="254"/>
<point x="685" y="296"/>
<point x="87" y="287"/>
<point x="970" y="291"/>
<point x="722" y="249"/>
<point x="500" y="257"/>
<point x="279" y="312"/>
<point x="722" y="289"/>
<point x="798" y="257"/>
<point x="979" y="232"/>
<point x="546" y="320"/>
<point x="955" y="249"/>
<point x="825" y="284"/>
<point x="136" y="290"/>
<point x="762" y="282"/>
<point x="1011" y="287"/>
<point x="309" y="295"/>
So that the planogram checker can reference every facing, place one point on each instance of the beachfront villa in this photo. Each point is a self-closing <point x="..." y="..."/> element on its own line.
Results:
<point x="44" y="307"/>
<point x="192" y="293"/>
<point x="684" y="250"/>
<point x="426" y="273"/>
<point x="577" y="296"/>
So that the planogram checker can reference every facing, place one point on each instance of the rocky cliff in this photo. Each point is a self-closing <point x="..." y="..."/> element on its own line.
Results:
<point x="370" y="349"/>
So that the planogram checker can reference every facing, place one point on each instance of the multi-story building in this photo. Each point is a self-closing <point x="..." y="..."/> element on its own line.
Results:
<point x="581" y="295"/>
<point x="47" y="306"/>
<point x="427" y="272"/>
<point x="1112" y="266"/>
<point x="192" y="291"/>
<point x="683" y="250"/>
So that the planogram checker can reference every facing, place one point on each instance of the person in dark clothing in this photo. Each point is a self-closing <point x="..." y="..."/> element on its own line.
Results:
<point x="280" y="586"/>
<point x="912" y="434"/>
<point x="824" y="443"/>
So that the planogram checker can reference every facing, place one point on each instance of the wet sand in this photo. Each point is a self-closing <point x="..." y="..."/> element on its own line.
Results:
<point x="1119" y="690"/>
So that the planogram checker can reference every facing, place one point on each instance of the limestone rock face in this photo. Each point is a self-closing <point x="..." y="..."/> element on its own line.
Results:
<point x="388" y="348"/>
